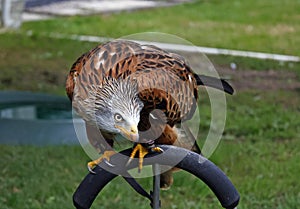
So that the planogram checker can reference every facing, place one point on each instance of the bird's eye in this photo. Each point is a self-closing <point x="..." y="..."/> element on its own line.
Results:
<point x="118" y="117"/>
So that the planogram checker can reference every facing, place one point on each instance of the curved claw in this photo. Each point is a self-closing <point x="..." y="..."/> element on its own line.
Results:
<point x="105" y="157"/>
<point x="129" y="161"/>
<point x="90" y="169"/>
<point x="108" y="163"/>
<point x="157" y="149"/>
<point x="142" y="152"/>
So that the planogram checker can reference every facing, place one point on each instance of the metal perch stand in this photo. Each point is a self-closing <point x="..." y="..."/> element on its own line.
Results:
<point x="156" y="187"/>
<point x="189" y="161"/>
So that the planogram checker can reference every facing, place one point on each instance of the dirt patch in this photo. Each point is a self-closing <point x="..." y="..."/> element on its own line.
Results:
<point x="260" y="80"/>
<point x="243" y="79"/>
<point x="281" y="29"/>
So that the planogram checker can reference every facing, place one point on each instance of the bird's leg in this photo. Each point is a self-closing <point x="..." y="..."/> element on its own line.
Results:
<point x="106" y="156"/>
<point x="143" y="151"/>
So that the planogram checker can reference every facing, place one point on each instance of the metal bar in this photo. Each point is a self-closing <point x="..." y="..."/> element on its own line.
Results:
<point x="189" y="161"/>
<point x="6" y="8"/>
<point x="156" y="187"/>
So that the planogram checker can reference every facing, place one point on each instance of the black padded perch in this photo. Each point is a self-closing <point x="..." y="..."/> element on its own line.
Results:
<point x="187" y="160"/>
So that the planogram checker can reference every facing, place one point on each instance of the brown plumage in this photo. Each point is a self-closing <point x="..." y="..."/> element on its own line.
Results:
<point x="164" y="80"/>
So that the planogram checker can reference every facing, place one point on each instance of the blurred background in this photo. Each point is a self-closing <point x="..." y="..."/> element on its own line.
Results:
<point x="253" y="44"/>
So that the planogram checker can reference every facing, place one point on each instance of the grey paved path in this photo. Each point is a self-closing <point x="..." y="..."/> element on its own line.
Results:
<point x="37" y="3"/>
<point x="40" y="9"/>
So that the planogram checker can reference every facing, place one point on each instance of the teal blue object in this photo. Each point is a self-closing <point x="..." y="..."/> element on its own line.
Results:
<point x="34" y="118"/>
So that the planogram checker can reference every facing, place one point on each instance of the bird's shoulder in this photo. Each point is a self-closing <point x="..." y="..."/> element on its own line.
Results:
<point x="148" y="64"/>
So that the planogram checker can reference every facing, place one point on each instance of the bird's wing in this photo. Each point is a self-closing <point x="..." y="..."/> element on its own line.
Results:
<point x="165" y="80"/>
<point x="150" y="66"/>
<point x="213" y="82"/>
<point x="109" y="59"/>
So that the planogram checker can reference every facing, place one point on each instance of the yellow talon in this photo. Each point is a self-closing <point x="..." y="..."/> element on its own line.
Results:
<point x="157" y="149"/>
<point x="106" y="156"/>
<point x="142" y="153"/>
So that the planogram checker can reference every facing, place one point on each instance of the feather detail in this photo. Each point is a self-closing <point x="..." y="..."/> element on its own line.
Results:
<point x="149" y="76"/>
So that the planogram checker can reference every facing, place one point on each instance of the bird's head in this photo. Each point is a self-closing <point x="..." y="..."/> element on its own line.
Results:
<point x="117" y="107"/>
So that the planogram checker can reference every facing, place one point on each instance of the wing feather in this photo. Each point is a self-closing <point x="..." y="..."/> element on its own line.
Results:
<point x="165" y="80"/>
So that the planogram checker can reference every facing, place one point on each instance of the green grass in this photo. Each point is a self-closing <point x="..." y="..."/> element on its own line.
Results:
<point x="259" y="152"/>
<point x="259" y="148"/>
<point x="47" y="177"/>
<point x="206" y="23"/>
<point x="257" y="115"/>
<point x="258" y="25"/>
<point x="37" y="63"/>
<point x="48" y="61"/>
<point x="39" y="177"/>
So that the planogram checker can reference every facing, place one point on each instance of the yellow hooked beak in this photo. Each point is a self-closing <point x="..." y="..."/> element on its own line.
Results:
<point x="131" y="134"/>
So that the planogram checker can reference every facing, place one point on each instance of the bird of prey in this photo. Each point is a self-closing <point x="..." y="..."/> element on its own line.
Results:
<point x="138" y="91"/>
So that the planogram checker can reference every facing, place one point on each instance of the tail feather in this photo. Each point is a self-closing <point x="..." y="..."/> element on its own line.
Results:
<point x="213" y="82"/>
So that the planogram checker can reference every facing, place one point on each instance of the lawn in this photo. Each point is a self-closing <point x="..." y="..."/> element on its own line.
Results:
<point x="259" y="153"/>
<point x="257" y="25"/>
<point x="259" y="147"/>
<point x="49" y="60"/>
<point x="44" y="59"/>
